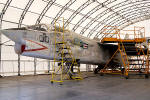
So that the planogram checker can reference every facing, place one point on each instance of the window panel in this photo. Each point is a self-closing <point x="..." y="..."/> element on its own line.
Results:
<point x="98" y="12"/>
<point x="89" y="8"/>
<point x="70" y="26"/>
<point x="37" y="6"/>
<point x="1" y="7"/>
<point x="46" y="20"/>
<point x="12" y="14"/>
<point x="79" y="30"/>
<point x="3" y="1"/>
<point x="19" y="3"/>
<point x="6" y="25"/>
<point x="93" y="25"/>
<point x="85" y="22"/>
<point x="52" y="12"/>
<point x="77" y="4"/>
<point x="30" y="19"/>
<point x="7" y="51"/>
<point x="101" y="1"/>
<point x="62" y="2"/>
<point x="76" y="19"/>
<point x="86" y="32"/>
<point x="67" y="14"/>
<point x="26" y="58"/>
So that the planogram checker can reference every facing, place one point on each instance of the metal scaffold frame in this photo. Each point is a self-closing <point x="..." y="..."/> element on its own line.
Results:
<point x="134" y="57"/>
<point x="63" y="56"/>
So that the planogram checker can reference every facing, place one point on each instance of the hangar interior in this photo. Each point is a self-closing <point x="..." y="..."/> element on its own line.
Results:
<point x="85" y="17"/>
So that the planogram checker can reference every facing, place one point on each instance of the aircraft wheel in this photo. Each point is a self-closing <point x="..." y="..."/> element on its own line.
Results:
<point x="52" y="82"/>
<point x="146" y="76"/>
<point x="96" y="70"/>
<point x="101" y="74"/>
<point x="127" y="77"/>
<point x="122" y="70"/>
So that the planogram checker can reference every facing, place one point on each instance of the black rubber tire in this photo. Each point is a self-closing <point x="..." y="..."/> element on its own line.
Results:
<point x="96" y="70"/>
<point x="101" y="74"/>
<point x="127" y="77"/>
<point x="122" y="70"/>
<point x="146" y="76"/>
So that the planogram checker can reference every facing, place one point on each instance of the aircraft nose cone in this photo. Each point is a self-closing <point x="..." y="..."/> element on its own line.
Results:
<point x="5" y="32"/>
<point x="9" y="34"/>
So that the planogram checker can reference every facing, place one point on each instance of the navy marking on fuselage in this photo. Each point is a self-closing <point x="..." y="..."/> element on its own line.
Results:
<point x="44" y="38"/>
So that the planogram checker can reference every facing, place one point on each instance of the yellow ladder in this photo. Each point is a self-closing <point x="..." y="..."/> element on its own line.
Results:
<point x="63" y="56"/>
<point x="124" y="59"/>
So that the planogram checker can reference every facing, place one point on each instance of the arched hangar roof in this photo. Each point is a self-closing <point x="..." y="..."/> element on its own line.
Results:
<point x="86" y="17"/>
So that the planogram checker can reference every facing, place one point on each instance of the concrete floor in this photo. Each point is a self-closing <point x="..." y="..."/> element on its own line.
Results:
<point x="92" y="88"/>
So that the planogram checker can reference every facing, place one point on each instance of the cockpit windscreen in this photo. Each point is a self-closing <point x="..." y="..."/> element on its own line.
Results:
<point x="38" y="27"/>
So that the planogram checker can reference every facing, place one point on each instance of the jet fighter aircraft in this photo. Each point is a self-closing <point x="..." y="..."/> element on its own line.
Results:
<point x="39" y="41"/>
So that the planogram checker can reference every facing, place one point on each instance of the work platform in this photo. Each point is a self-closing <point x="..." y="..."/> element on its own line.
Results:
<point x="116" y="40"/>
<point x="133" y="50"/>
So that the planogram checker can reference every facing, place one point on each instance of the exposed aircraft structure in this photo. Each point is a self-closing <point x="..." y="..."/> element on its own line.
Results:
<point x="38" y="41"/>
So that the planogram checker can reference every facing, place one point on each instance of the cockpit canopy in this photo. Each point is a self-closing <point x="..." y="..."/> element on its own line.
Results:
<point x="39" y="27"/>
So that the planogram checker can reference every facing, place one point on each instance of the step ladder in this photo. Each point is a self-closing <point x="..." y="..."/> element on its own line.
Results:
<point x="66" y="66"/>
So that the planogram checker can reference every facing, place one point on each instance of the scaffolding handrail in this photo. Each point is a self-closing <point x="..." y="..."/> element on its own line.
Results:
<point x="113" y="32"/>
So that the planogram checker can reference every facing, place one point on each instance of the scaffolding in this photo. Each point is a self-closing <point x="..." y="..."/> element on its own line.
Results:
<point x="66" y="66"/>
<point x="133" y="49"/>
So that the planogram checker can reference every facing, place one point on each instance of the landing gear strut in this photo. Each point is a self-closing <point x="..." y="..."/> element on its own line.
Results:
<point x="96" y="70"/>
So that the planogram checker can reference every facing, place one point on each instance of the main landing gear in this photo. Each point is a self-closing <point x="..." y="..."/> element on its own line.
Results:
<point x="96" y="70"/>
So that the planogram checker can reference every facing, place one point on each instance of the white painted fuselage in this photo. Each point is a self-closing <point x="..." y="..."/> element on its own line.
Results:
<point x="41" y="44"/>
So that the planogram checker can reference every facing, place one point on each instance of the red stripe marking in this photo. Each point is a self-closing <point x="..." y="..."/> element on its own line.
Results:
<point x="44" y="47"/>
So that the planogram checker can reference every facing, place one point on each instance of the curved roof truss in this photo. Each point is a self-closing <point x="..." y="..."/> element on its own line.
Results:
<point x="121" y="13"/>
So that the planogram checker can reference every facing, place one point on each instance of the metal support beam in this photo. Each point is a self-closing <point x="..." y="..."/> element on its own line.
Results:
<point x="24" y="12"/>
<point x="0" y="44"/>
<point x="134" y="20"/>
<point x="130" y="10"/>
<point x="48" y="61"/>
<point x="63" y="9"/>
<point x="5" y="8"/>
<point x="134" y="14"/>
<point x="94" y="10"/>
<point x="116" y="7"/>
<point x="82" y="7"/>
<point x="19" y="65"/>
<point x="49" y="4"/>
<point x="49" y="17"/>
<point x="35" y="62"/>
<point x="1" y="18"/>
